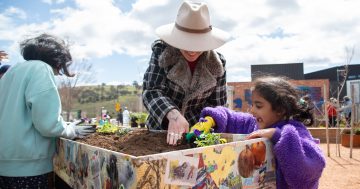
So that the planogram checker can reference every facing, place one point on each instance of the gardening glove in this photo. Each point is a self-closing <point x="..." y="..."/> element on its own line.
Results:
<point x="204" y="125"/>
<point x="229" y="121"/>
<point x="73" y="130"/>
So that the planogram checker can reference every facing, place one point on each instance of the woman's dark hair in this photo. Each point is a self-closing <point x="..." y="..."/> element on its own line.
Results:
<point x="346" y="98"/>
<point x="50" y="50"/>
<point x="284" y="98"/>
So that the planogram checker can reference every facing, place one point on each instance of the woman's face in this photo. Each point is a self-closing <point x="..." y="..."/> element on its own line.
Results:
<point x="263" y="112"/>
<point x="191" y="56"/>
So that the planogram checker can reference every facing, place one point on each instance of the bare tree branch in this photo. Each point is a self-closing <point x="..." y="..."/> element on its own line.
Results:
<point x="342" y="77"/>
<point x="68" y="89"/>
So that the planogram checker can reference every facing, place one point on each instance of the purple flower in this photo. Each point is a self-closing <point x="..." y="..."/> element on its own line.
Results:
<point x="197" y="132"/>
<point x="203" y="120"/>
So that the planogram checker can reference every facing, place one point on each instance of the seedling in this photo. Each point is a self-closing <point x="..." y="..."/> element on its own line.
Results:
<point x="108" y="128"/>
<point x="201" y="139"/>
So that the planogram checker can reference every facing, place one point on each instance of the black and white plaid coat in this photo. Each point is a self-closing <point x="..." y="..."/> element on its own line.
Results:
<point x="168" y="84"/>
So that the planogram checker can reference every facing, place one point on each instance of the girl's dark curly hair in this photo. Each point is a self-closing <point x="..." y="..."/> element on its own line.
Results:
<point x="50" y="50"/>
<point x="284" y="98"/>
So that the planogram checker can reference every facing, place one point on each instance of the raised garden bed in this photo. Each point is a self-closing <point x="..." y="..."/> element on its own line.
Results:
<point x="345" y="138"/>
<point x="139" y="142"/>
<point x="142" y="159"/>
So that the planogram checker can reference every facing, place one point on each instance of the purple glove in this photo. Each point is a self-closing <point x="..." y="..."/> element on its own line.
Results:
<point x="229" y="121"/>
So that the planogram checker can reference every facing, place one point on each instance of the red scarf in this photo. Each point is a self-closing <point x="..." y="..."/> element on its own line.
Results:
<point x="192" y="66"/>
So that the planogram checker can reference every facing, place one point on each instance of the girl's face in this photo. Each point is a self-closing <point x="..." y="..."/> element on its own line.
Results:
<point x="263" y="112"/>
<point x="191" y="56"/>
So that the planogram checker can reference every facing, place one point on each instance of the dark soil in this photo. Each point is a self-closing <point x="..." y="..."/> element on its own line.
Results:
<point x="137" y="143"/>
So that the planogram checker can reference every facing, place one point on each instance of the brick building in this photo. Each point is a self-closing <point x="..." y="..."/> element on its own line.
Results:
<point x="242" y="93"/>
<point x="335" y="74"/>
<point x="293" y="71"/>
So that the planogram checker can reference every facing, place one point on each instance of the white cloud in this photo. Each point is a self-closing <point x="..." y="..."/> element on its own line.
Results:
<point x="316" y="33"/>
<point x="15" y="12"/>
<point x="101" y="29"/>
<point x="53" y="1"/>
<point x="264" y="32"/>
<point x="5" y="23"/>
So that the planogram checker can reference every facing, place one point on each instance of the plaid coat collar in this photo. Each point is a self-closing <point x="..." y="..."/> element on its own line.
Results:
<point x="208" y="68"/>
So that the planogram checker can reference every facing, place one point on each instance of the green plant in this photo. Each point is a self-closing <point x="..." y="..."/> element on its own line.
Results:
<point x="107" y="128"/>
<point x="123" y="131"/>
<point x="347" y="131"/>
<point x="209" y="139"/>
<point x="140" y="117"/>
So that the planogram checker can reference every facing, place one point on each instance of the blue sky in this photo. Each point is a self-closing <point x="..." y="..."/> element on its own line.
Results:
<point x="115" y="36"/>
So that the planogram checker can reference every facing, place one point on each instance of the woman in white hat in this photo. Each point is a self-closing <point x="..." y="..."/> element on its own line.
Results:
<point x="185" y="74"/>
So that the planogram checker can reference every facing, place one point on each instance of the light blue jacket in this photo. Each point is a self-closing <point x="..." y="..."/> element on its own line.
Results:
<point x="347" y="107"/>
<point x="30" y="119"/>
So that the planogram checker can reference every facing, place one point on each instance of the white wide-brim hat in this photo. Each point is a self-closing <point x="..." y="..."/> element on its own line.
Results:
<point x="192" y="30"/>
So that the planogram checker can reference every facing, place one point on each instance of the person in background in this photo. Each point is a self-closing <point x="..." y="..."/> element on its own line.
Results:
<point x="30" y="113"/>
<point x="277" y="114"/>
<point x="346" y="109"/>
<point x="120" y="116"/>
<point x="3" y="68"/>
<point x="185" y="74"/>
<point x="3" y="55"/>
<point x="306" y="100"/>
<point x="332" y="113"/>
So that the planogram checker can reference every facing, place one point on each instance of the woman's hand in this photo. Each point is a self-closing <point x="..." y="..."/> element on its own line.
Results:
<point x="177" y="126"/>
<point x="265" y="133"/>
<point x="3" y="55"/>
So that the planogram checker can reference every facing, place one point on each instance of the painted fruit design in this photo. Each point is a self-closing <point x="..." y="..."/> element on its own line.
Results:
<point x="246" y="162"/>
<point x="259" y="151"/>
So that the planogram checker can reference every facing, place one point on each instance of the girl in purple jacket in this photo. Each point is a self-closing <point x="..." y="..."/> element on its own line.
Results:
<point x="277" y="113"/>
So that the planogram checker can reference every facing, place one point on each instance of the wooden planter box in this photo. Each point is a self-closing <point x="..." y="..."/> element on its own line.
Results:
<point x="219" y="166"/>
<point x="345" y="140"/>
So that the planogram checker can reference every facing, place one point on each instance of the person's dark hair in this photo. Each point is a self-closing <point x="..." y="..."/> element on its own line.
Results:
<point x="4" y="68"/>
<point x="346" y="98"/>
<point x="283" y="98"/>
<point x="50" y="50"/>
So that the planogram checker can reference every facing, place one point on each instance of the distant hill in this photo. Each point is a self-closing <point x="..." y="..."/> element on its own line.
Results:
<point x="92" y="99"/>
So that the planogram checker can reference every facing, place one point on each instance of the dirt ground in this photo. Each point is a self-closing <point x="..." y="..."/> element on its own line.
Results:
<point x="341" y="172"/>
<point x="138" y="142"/>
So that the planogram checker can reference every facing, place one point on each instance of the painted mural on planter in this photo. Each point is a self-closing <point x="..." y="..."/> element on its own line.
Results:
<point x="237" y="164"/>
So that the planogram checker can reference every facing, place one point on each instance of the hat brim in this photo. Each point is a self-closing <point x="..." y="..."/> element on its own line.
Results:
<point x="192" y="41"/>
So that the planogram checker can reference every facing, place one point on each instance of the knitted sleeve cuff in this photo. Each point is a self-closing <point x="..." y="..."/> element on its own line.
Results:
<point x="219" y="115"/>
<point x="276" y="137"/>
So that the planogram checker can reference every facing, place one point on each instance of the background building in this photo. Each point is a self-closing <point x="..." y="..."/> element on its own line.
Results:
<point x="335" y="75"/>
<point x="314" y="88"/>
<point x="291" y="70"/>
<point x="312" y="84"/>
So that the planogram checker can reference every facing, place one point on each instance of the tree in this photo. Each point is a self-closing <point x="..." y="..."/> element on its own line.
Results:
<point x="342" y="75"/>
<point x="136" y="84"/>
<point x="102" y="91"/>
<point x="67" y="85"/>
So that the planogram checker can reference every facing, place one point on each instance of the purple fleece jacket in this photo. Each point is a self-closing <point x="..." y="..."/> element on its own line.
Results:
<point x="299" y="159"/>
<point x="228" y="121"/>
